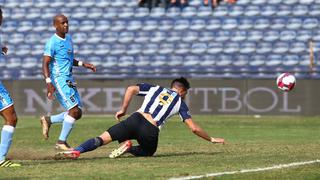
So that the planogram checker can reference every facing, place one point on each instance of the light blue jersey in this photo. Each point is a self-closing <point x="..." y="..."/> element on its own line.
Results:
<point x="62" y="55"/>
<point x="61" y="52"/>
<point x="5" y="99"/>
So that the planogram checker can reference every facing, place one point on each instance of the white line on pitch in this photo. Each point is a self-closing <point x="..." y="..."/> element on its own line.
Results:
<point x="280" y="166"/>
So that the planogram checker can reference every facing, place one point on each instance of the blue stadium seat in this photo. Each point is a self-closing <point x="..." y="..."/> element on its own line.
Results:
<point x="314" y="10"/>
<point x="278" y="23"/>
<point x="222" y="35"/>
<point x="197" y="24"/>
<point x="33" y="13"/>
<point x="288" y="35"/>
<point x="48" y="13"/>
<point x="264" y="48"/>
<point x="150" y="25"/>
<point x="118" y="25"/>
<point x="12" y="4"/>
<point x="175" y="60"/>
<point x="86" y="49"/>
<point x="190" y="36"/>
<point x="16" y="38"/>
<point x="238" y="35"/>
<point x="181" y="24"/>
<point x="118" y="3"/>
<point x="165" y="24"/>
<point x="37" y="50"/>
<point x="110" y="61"/>
<point x="280" y="48"/>
<point x="232" y="47"/>
<point x="257" y="60"/>
<point x="252" y="11"/>
<point x="13" y="62"/>
<point x="304" y="35"/>
<point x="142" y="61"/>
<point x="276" y="2"/>
<point x="10" y="26"/>
<point x="141" y="37"/>
<point x="245" y="24"/>
<point x="118" y="49"/>
<point x="247" y="48"/>
<point x="102" y="25"/>
<point x="87" y="25"/>
<point x="316" y="36"/>
<point x="213" y="24"/>
<point x="195" y="3"/>
<point x="134" y="25"/>
<point x="261" y="23"/>
<point x="206" y="60"/>
<point x="206" y="36"/>
<point x="166" y="48"/>
<point x="235" y="11"/>
<point x="57" y="3"/>
<point x="158" y="36"/>
<point x="310" y="23"/>
<point x="298" y="47"/>
<point x="259" y="2"/>
<point x="224" y="60"/>
<point x="191" y="60"/>
<point x="182" y="48"/>
<point x="268" y="10"/>
<point x="79" y="13"/>
<point x="294" y="23"/>
<point x="125" y="12"/>
<point x="125" y="61"/>
<point x="274" y="60"/>
<point x="189" y="11"/>
<point x="32" y="38"/>
<point x="102" y="49"/>
<point x="159" y="60"/>
<point x="141" y="12"/>
<point x="45" y="37"/>
<point x="204" y="11"/>
<point x="214" y="48"/>
<point x="150" y="48"/>
<point x="220" y="11"/>
<point x="229" y="24"/>
<point x="101" y="3"/>
<point x="271" y="36"/>
<point x="157" y="12"/>
<point x="300" y="10"/>
<point x="126" y="37"/>
<point x="198" y="48"/>
<point x="95" y="60"/>
<point x="110" y="12"/>
<point x="291" y="2"/>
<point x="25" y="4"/>
<point x="18" y="14"/>
<point x="173" y="36"/>
<point x="284" y="10"/>
<point x="94" y="37"/>
<point x="134" y="49"/>
<point x="72" y="3"/>
<point x="291" y="60"/>
<point x="79" y="37"/>
<point x="240" y="60"/>
<point x="173" y="12"/>
<point x="95" y="13"/>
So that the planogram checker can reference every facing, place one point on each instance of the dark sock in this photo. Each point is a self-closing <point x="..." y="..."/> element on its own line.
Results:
<point x="90" y="145"/>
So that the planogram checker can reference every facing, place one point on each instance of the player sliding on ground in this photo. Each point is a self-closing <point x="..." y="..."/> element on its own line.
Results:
<point x="143" y="125"/>
<point x="58" y="61"/>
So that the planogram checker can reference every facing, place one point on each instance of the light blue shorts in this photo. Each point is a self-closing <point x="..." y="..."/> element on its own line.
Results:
<point x="5" y="99"/>
<point x="66" y="92"/>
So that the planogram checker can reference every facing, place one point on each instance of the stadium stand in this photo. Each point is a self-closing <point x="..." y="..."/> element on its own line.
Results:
<point x="247" y="39"/>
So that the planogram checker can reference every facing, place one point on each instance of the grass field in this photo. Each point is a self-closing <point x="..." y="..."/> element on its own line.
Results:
<point x="252" y="143"/>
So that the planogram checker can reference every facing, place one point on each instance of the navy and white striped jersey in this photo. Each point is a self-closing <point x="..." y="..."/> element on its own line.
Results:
<point x="162" y="103"/>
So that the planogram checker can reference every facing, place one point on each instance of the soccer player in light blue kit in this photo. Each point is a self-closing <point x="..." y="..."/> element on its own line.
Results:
<point x="8" y="113"/>
<point x="58" y="61"/>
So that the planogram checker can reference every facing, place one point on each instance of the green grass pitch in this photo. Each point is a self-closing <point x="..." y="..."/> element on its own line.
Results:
<point x="252" y="143"/>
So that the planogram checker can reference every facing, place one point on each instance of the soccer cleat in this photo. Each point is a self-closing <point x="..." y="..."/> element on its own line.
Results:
<point x="121" y="150"/>
<point x="45" y="123"/>
<point x="8" y="163"/>
<point x="63" y="146"/>
<point x="67" y="155"/>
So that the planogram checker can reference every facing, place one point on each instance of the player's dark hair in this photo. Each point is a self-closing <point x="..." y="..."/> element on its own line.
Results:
<point x="181" y="82"/>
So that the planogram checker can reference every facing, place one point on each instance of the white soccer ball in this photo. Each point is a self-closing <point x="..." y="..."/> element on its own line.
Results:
<point x="286" y="81"/>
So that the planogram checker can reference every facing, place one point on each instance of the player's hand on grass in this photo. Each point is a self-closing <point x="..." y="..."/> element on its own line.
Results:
<point x="50" y="91"/>
<point x="90" y="66"/>
<point x="217" y="140"/>
<point x="119" y="114"/>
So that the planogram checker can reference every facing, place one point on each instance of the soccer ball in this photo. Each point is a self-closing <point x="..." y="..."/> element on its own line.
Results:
<point x="286" y="81"/>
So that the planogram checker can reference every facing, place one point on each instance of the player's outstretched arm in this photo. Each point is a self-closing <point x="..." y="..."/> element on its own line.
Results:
<point x="46" y="74"/>
<point x="197" y="130"/>
<point x="130" y="92"/>
<point x="86" y="65"/>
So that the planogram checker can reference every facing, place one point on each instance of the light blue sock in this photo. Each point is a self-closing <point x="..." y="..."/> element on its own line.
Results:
<point x="58" y="118"/>
<point x="6" y="139"/>
<point x="67" y="126"/>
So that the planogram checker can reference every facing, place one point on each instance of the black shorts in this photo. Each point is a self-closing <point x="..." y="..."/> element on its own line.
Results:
<point x="136" y="127"/>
